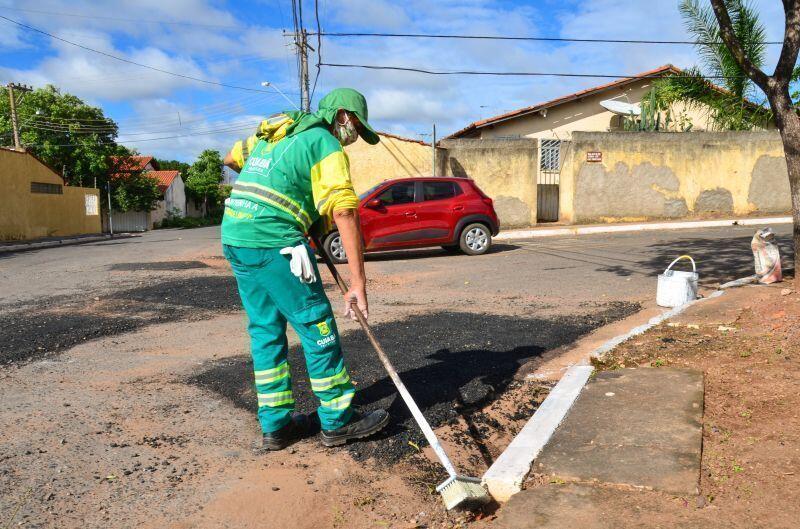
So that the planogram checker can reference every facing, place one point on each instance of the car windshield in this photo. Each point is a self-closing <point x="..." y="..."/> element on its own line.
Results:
<point x="369" y="191"/>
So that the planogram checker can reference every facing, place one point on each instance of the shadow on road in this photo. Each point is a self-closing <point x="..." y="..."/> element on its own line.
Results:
<point x="444" y="358"/>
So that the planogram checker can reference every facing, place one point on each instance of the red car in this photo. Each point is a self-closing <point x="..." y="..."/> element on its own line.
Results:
<point x="417" y="212"/>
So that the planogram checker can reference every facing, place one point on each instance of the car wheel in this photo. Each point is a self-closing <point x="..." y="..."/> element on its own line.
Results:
<point x="334" y="248"/>
<point x="475" y="239"/>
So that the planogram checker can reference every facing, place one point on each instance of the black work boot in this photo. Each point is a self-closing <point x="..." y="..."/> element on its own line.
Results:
<point x="293" y="431"/>
<point x="360" y="426"/>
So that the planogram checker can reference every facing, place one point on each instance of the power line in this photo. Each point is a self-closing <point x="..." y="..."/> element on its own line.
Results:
<point x="509" y="74"/>
<point x="128" y="61"/>
<point x="319" y="51"/>
<point x="533" y="39"/>
<point x="217" y="131"/>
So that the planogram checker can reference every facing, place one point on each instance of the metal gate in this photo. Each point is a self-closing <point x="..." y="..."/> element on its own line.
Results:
<point x="548" y="180"/>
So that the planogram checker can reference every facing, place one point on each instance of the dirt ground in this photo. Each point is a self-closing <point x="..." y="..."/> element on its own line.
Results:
<point x="125" y="395"/>
<point x="748" y="346"/>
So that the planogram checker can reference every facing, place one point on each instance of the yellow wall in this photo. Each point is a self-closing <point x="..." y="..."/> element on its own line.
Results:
<point x="25" y="215"/>
<point x="586" y="115"/>
<point x="646" y="176"/>
<point x="391" y="158"/>
<point x="504" y="169"/>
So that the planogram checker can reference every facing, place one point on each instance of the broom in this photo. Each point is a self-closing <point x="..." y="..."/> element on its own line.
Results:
<point x="457" y="491"/>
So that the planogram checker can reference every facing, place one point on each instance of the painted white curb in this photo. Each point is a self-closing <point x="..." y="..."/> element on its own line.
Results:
<point x="615" y="228"/>
<point x="505" y="477"/>
<point x="507" y="474"/>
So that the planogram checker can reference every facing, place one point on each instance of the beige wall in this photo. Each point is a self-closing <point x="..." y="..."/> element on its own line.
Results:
<point x="25" y="215"/>
<point x="391" y="158"/>
<point x="504" y="169"/>
<point x="646" y="176"/>
<point x="584" y="114"/>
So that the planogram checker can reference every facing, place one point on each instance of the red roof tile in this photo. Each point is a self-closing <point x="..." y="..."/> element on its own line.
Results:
<point x="132" y="164"/>
<point x="165" y="178"/>
<point x="667" y="68"/>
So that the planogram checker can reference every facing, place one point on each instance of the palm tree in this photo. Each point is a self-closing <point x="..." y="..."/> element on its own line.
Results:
<point x="732" y="108"/>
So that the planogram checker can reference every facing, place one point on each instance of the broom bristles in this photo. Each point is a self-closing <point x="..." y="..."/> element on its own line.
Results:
<point x="463" y="492"/>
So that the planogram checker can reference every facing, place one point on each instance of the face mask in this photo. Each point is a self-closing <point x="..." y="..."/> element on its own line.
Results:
<point x="345" y="132"/>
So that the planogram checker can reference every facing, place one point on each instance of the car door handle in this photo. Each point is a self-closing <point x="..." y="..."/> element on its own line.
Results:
<point x="458" y="208"/>
<point x="410" y="214"/>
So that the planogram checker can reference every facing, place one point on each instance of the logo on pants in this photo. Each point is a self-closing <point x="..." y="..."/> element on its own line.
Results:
<point x="324" y="330"/>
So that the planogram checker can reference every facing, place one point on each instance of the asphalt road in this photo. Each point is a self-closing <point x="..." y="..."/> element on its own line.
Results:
<point x="457" y="327"/>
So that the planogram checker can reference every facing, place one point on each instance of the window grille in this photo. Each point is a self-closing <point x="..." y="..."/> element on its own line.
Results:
<point x="550" y="159"/>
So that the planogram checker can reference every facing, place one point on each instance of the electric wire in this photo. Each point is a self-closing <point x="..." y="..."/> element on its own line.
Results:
<point x="319" y="51"/>
<point x="510" y="74"/>
<point x="533" y="39"/>
<point x="128" y="61"/>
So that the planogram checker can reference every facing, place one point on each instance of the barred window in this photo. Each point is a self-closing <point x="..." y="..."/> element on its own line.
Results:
<point x="550" y="155"/>
<point x="47" y="189"/>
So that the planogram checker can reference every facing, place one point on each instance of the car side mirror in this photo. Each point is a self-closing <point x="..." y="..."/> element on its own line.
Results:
<point x="375" y="203"/>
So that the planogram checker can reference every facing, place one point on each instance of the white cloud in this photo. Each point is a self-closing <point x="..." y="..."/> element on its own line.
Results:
<point x="379" y="14"/>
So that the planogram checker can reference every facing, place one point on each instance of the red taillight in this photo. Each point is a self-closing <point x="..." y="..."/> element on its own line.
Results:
<point x="488" y="201"/>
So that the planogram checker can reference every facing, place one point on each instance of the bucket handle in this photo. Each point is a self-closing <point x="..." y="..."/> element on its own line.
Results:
<point x="694" y="268"/>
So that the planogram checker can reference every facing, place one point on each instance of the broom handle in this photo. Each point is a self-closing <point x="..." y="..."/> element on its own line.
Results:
<point x="401" y="388"/>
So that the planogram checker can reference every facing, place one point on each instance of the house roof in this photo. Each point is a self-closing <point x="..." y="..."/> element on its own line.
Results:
<point x="165" y="178"/>
<point x="657" y="72"/>
<point x="131" y="164"/>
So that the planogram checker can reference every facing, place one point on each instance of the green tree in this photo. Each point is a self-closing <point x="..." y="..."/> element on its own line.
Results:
<point x="165" y="165"/>
<point x="135" y="192"/>
<point x="205" y="176"/>
<point x="776" y="86"/>
<point x="62" y="130"/>
<point x="734" y="107"/>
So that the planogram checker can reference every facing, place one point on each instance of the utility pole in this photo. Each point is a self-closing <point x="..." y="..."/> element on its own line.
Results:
<point x="433" y="144"/>
<point x="110" y="221"/>
<point x="301" y="42"/>
<point x="21" y="88"/>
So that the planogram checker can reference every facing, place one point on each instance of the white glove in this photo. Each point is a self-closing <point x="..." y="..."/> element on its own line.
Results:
<point x="300" y="265"/>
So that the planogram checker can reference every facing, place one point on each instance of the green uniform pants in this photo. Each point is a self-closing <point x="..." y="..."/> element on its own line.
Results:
<point x="271" y="296"/>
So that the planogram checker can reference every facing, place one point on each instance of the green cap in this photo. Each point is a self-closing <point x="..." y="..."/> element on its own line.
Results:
<point x="352" y="101"/>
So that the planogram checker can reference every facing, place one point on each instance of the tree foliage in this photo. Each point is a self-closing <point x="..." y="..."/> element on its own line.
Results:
<point x="732" y="108"/>
<point x="205" y="176"/>
<point x="135" y="192"/>
<point x="165" y="165"/>
<point x="63" y="131"/>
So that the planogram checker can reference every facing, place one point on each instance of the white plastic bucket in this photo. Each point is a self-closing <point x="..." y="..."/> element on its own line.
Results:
<point x="675" y="287"/>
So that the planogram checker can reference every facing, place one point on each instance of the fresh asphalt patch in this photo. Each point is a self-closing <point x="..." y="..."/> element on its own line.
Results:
<point x="451" y="362"/>
<point x="158" y="266"/>
<point x="33" y="331"/>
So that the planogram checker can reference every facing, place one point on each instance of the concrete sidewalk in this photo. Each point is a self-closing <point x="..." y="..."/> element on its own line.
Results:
<point x="54" y="242"/>
<point x="635" y="428"/>
<point x="552" y="231"/>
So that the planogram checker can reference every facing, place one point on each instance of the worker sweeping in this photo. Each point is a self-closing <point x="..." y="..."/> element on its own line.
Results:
<point x="294" y="178"/>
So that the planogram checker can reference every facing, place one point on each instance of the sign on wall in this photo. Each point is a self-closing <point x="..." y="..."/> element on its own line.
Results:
<point x="92" y="205"/>
<point x="594" y="156"/>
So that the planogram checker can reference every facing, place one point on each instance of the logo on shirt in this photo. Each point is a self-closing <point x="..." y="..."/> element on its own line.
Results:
<point x="260" y="163"/>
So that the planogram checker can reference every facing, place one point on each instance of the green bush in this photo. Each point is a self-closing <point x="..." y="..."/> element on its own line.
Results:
<point x="188" y="222"/>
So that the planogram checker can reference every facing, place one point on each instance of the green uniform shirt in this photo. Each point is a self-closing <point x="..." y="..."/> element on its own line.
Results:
<point x="284" y="187"/>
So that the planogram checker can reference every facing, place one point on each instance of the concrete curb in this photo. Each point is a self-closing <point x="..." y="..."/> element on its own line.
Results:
<point x="507" y="474"/>
<point x="616" y="228"/>
<point x="24" y="247"/>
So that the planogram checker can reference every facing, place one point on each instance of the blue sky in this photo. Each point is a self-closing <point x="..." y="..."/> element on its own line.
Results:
<point x="242" y="43"/>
